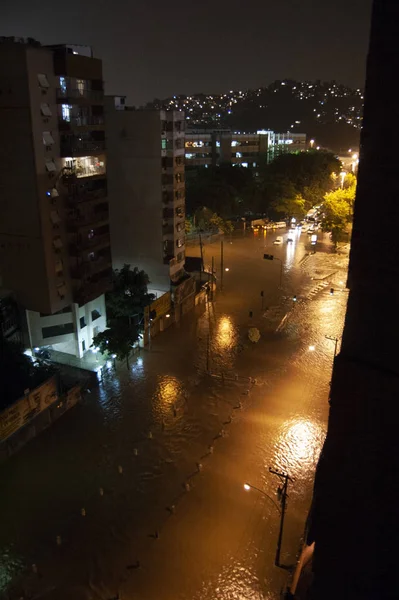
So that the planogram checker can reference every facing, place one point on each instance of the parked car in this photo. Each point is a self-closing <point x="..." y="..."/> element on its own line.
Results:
<point x="278" y="240"/>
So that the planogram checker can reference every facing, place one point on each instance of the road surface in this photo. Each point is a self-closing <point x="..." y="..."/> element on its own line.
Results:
<point x="158" y="456"/>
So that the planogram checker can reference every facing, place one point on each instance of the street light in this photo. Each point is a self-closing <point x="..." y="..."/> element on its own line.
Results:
<point x="311" y="143"/>
<point x="227" y="269"/>
<point x="282" y="495"/>
<point x="312" y="348"/>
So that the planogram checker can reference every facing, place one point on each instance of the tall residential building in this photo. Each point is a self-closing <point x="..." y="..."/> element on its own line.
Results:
<point x="54" y="226"/>
<point x="147" y="195"/>
<point x="206" y="147"/>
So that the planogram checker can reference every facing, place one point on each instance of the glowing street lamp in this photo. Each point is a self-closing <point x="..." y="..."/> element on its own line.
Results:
<point x="311" y="143"/>
<point x="312" y="348"/>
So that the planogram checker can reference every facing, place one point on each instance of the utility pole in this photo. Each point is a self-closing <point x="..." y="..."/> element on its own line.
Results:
<point x="208" y="349"/>
<point x="221" y="265"/>
<point x="213" y="276"/>
<point x="282" y="494"/>
<point x="262" y="295"/>
<point x="202" y="253"/>
<point x="335" y="340"/>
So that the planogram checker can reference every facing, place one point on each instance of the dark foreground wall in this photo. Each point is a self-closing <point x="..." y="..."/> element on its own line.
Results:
<point x="355" y="521"/>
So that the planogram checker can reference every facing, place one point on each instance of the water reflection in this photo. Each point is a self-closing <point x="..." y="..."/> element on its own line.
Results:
<point x="168" y="390"/>
<point x="298" y="447"/>
<point x="290" y="254"/>
<point x="224" y="333"/>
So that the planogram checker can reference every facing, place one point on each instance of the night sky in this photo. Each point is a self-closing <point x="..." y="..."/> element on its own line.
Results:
<point x="157" y="48"/>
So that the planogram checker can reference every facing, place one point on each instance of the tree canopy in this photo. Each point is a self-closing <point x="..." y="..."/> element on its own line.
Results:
<point x="293" y="183"/>
<point x="288" y="186"/>
<point x="129" y="295"/>
<point x="118" y="340"/>
<point x="19" y="372"/>
<point x="338" y="208"/>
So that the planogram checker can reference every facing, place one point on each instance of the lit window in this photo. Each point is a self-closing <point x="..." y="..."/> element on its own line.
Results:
<point x="180" y="242"/>
<point x="48" y="139"/>
<point x="235" y="143"/>
<point x="239" y="154"/>
<point x="164" y="144"/>
<point x="66" y="112"/>
<point x="81" y="84"/>
<point x="50" y="166"/>
<point x="217" y="144"/>
<point x="63" y="85"/>
<point x="43" y="81"/>
<point x="45" y="110"/>
<point x="244" y="164"/>
<point x="189" y="155"/>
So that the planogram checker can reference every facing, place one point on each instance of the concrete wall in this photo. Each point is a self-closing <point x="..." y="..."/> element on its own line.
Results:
<point x="134" y="191"/>
<point x="79" y="341"/>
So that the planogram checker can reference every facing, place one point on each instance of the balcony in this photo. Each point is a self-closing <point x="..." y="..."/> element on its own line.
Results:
<point x="95" y="243"/>
<point x="79" y="196"/>
<point x="81" y="147"/>
<point x="91" y="96"/>
<point x="92" y="267"/>
<point x="80" y="121"/>
<point x="79" y="171"/>
<point x="92" y="289"/>
<point x="92" y="219"/>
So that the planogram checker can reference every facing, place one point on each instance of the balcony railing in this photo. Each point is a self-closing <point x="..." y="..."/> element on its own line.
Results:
<point x="84" y="147"/>
<point x="78" y="221"/>
<point x="97" y="241"/>
<point x="91" y="267"/>
<point x="93" y="95"/>
<point x="90" y="171"/>
<point x="93" y="289"/>
<point x="87" y="196"/>
<point x="81" y="121"/>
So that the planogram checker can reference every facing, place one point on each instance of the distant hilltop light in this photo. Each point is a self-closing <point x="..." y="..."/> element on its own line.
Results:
<point x="266" y="108"/>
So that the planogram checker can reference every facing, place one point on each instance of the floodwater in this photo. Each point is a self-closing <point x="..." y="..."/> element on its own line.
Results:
<point x="158" y="455"/>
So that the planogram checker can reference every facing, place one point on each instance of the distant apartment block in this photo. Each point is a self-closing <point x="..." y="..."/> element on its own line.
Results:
<point x="54" y="222"/>
<point x="222" y="146"/>
<point x="146" y="184"/>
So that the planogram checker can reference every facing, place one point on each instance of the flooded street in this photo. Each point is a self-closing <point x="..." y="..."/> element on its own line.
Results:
<point x="158" y="455"/>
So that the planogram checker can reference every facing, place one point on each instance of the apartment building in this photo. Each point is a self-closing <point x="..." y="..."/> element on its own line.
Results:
<point x="146" y="186"/>
<point x="54" y="223"/>
<point x="222" y="146"/>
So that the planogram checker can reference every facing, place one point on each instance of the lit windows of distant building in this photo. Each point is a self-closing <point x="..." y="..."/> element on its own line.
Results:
<point x="63" y="85"/>
<point x="66" y="112"/>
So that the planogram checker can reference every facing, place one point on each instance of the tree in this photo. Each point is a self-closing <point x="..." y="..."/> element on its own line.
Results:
<point x="305" y="174"/>
<point x="338" y="209"/>
<point x="129" y="295"/>
<point x="19" y="372"/>
<point x="118" y="339"/>
<point x="220" y="224"/>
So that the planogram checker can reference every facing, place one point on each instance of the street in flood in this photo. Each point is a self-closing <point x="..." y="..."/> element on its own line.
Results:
<point x="138" y="493"/>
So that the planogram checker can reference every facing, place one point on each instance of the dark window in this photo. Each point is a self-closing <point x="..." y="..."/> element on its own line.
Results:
<point x="56" y="330"/>
<point x="82" y="322"/>
<point x="95" y="314"/>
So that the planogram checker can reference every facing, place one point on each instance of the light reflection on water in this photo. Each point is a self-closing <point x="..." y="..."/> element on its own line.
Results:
<point x="298" y="447"/>
<point x="225" y="336"/>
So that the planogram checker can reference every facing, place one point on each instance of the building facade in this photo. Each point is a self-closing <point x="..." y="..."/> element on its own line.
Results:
<point x="222" y="146"/>
<point x="147" y="191"/>
<point x="54" y="224"/>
